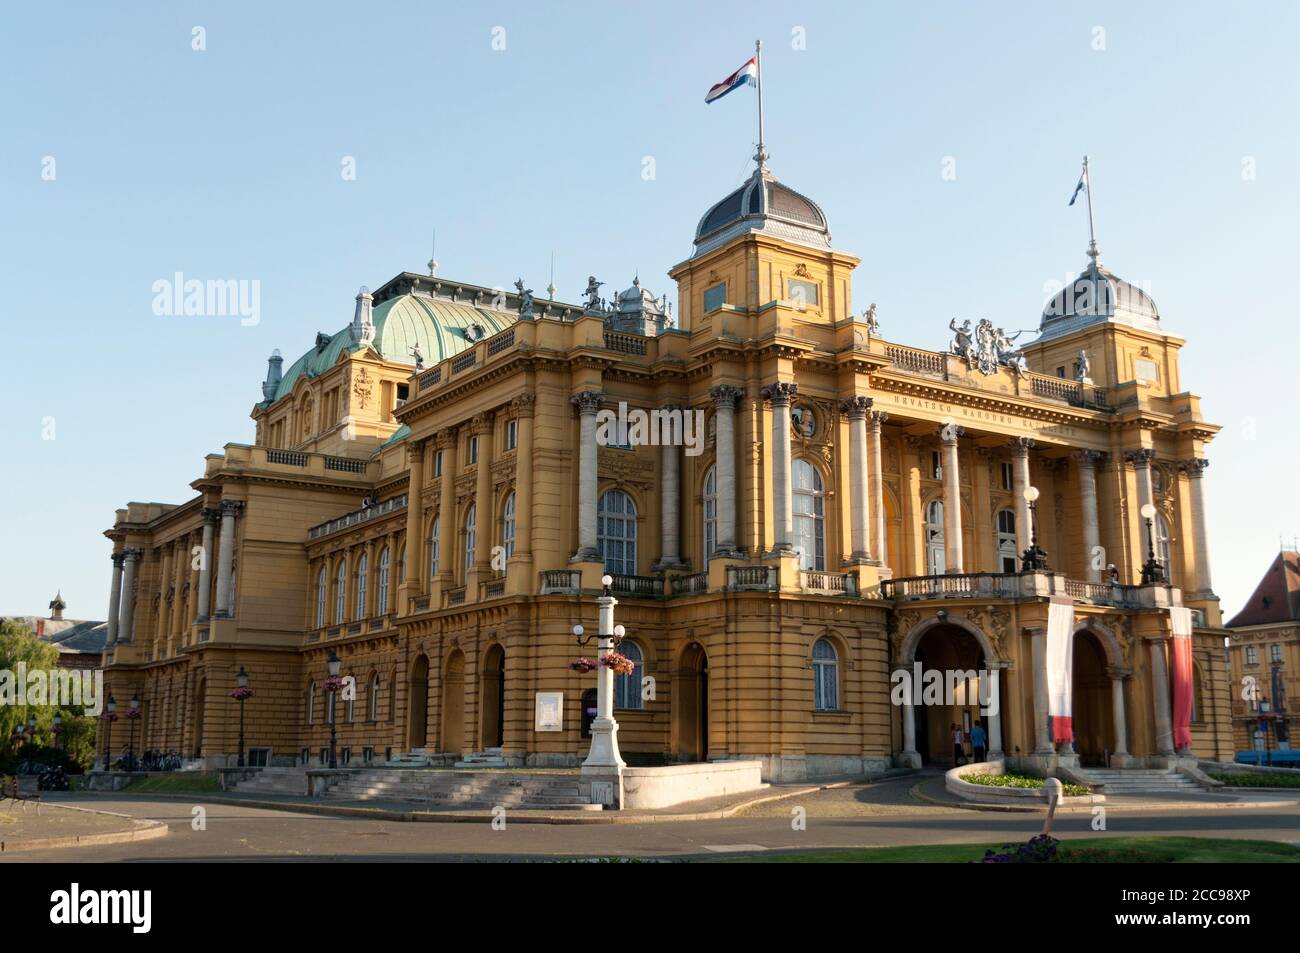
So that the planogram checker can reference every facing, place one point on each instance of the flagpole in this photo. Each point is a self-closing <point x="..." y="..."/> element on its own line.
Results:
<point x="1092" y="235"/>
<point x="760" y="156"/>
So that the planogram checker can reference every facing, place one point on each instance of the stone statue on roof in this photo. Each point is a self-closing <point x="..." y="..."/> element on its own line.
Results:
<point x="419" y="358"/>
<point x="592" y="294"/>
<point x="525" y="300"/>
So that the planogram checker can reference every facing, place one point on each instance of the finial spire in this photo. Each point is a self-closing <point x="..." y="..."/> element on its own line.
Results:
<point x="1093" y="251"/>
<point x="550" y="288"/>
<point x="760" y="155"/>
<point x="433" y="255"/>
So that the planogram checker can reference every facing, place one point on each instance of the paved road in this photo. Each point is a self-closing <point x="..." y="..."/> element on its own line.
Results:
<point x="240" y="833"/>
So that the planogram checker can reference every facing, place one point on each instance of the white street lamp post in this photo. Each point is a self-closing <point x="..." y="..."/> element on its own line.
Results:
<point x="603" y="755"/>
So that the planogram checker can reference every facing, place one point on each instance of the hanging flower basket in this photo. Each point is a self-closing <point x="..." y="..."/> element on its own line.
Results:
<point x="583" y="665"/>
<point x="109" y="716"/>
<point x="619" y="663"/>
<point x="334" y="683"/>
<point x="133" y="713"/>
<point x="239" y="694"/>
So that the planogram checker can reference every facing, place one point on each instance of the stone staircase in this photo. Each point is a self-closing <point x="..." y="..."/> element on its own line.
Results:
<point x="487" y="758"/>
<point x="464" y="790"/>
<point x="1141" y="781"/>
<point x="276" y="781"/>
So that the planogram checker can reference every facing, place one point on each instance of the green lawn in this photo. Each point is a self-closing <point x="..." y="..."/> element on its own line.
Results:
<point x="179" y="783"/>
<point x="1107" y="850"/>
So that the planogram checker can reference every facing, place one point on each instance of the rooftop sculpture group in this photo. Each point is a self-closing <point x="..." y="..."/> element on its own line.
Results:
<point x="987" y="347"/>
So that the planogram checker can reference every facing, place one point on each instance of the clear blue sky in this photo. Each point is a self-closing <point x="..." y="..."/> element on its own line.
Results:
<point x="226" y="164"/>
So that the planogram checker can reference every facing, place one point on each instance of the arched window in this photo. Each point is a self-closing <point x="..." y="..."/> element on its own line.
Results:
<point x="321" y="586"/>
<point x="373" y="700"/>
<point x="340" y="591"/>
<point x="508" y="527"/>
<point x="627" y="688"/>
<point x="470" y="518"/>
<point x="935" y="557"/>
<point x="809" y="515"/>
<point x="710" y="513"/>
<point x="311" y="703"/>
<point x="434" y="547"/>
<point x="616" y="532"/>
<point x="1160" y="528"/>
<point x="381" y="591"/>
<point x="1006" y="541"/>
<point x="363" y="572"/>
<point x="826" y="677"/>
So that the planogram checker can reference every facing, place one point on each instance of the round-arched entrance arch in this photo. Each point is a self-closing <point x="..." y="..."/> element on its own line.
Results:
<point x="418" y="723"/>
<point x="691" y="705"/>
<point x="453" y="704"/>
<point x="1096" y="657"/>
<point x="958" y="657"/>
<point x="493" y="693"/>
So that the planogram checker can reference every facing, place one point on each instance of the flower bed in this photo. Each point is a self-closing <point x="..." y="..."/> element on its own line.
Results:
<point x="1020" y="781"/>
<point x="1256" y="779"/>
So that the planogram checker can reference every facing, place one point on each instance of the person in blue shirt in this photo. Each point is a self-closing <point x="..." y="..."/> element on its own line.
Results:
<point x="979" y="742"/>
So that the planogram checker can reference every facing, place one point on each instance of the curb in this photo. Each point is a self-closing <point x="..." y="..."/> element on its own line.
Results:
<point x="478" y="817"/>
<point x="1083" y="809"/>
<point x="140" y="830"/>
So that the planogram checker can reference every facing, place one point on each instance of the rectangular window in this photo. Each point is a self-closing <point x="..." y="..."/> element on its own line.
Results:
<point x="1060" y="372"/>
<point x="1008" y="478"/>
<point x="473" y="450"/>
<point x="437" y="464"/>
<point x="259" y="757"/>
<point x="512" y="434"/>
<point x="345" y="755"/>
<point x="324" y="755"/>
<point x="1252" y="655"/>
<point x="801" y="293"/>
<point x="936" y="464"/>
<point x="1275" y="652"/>
<point x="368" y="754"/>
<point x="715" y="297"/>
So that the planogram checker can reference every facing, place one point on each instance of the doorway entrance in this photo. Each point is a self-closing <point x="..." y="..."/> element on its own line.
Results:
<point x="948" y="648"/>
<point x="691" y="705"/>
<point x="417" y="728"/>
<point x="453" y="704"/>
<point x="1093" y="712"/>
<point x="493" y="685"/>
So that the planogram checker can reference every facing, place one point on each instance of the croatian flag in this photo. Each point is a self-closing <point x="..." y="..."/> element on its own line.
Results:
<point x="1083" y="184"/>
<point x="1180" y="657"/>
<point x="747" y="75"/>
<point x="1060" y="667"/>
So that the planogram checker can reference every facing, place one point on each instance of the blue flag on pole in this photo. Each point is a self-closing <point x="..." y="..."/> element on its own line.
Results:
<point x="1083" y="184"/>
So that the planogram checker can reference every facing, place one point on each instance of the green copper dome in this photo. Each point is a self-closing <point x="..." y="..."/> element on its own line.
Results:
<point x="442" y="328"/>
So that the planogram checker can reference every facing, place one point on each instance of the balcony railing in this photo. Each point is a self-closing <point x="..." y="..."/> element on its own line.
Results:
<point x="955" y="586"/>
<point x="494" y="589"/>
<point x="288" y="458"/>
<point x="358" y="516"/>
<point x="456" y="597"/>
<point x="564" y="581"/>
<point x="502" y="342"/>
<point x="645" y="587"/>
<point x="751" y="578"/>
<point x="691" y="585"/>
<point x="833" y="583"/>
<point x="625" y="343"/>
<point x="917" y="360"/>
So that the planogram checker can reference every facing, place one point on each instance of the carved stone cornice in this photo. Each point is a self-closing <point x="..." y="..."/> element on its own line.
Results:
<point x="855" y="408"/>
<point x="780" y="393"/>
<point x="725" y="396"/>
<point x="587" y="401"/>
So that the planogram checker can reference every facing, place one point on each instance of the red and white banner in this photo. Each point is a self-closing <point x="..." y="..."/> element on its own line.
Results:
<point x="1180" y="674"/>
<point x="1060" y="668"/>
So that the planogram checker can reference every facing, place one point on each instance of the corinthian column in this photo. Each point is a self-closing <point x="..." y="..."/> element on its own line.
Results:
<point x="210" y="516"/>
<point x="877" y="465"/>
<point x="1020" y="447"/>
<point x="1086" y="461"/>
<point x="485" y="525"/>
<point x="413" y="582"/>
<point x="126" y="606"/>
<point x="1141" y="460"/>
<point x="1160" y="698"/>
<point x="670" y="491"/>
<point x="226" y="557"/>
<point x="1194" y="468"/>
<point x="951" y="498"/>
<point x="115" y="597"/>
<point x="588" y="403"/>
<point x="725" y="398"/>
<point x="447" y="518"/>
<point x="780" y="395"/>
<point x="855" y="409"/>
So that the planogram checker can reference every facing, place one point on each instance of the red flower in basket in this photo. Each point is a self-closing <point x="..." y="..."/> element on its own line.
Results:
<point x="133" y="713"/>
<point x="239" y="694"/>
<point x="334" y="683"/>
<point x="583" y="665"/>
<point x="109" y="716"/>
<point x="620" y="663"/>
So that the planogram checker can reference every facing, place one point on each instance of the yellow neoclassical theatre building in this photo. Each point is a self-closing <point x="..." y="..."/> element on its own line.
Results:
<point x="426" y="500"/>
